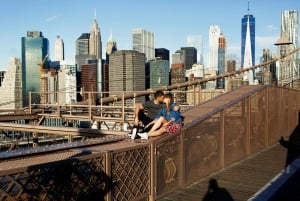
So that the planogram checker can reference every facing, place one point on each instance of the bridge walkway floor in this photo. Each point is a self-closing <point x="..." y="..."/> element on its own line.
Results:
<point x="241" y="179"/>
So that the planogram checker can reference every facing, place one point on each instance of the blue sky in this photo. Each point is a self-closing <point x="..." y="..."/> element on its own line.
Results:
<point x="170" y="21"/>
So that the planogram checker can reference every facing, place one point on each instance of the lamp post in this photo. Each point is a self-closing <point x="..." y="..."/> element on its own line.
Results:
<point x="283" y="48"/>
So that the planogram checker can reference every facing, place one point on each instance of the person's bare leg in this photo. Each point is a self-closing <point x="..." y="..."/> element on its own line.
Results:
<point x="157" y="124"/>
<point x="157" y="132"/>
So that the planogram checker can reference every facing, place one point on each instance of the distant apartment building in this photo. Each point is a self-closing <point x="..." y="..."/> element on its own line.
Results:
<point x="197" y="71"/>
<point x="159" y="73"/>
<point x="212" y="60"/>
<point x="221" y="61"/>
<point x="127" y="72"/>
<point x="11" y="87"/>
<point x="111" y="47"/>
<point x="59" y="52"/>
<point x="67" y="83"/>
<point x="188" y="56"/>
<point x="143" y="42"/>
<point x="89" y="81"/>
<point x="162" y="53"/>
<point x="35" y="49"/>
<point x="177" y="77"/>
<point x="231" y="65"/>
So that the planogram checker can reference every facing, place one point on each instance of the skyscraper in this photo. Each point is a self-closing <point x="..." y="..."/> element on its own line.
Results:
<point x="290" y="29"/>
<point x="290" y="26"/>
<point x="248" y="45"/>
<point x="82" y="50"/>
<point x="162" y="53"/>
<point x="143" y="42"/>
<point x="95" y="43"/>
<point x="11" y="88"/>
<point x="35" y="49"/>
<point x="89" y="46"/>
<point x="186" y="55"/>
<point x="159" y="73"/>
<point x="59" y="54"/>
<point x="221" y="61"/>
<point x="214" y="33"/>
<point x="111" y="46"/>
<point x="196" y="42"/>
<point x="189" y="56"/>
<point x="127" y="72"/>
<point x="67" y="82"/>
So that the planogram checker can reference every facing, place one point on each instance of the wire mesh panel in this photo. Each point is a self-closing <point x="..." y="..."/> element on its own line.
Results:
<point x="80" y="178"/>
<point x="131" y="174"/>
<point x="168" y="164"/>
<point x="274" y="114"/>
<point x="202" y="148"/>
<point x="258" y="121"/>
<point x="235" y="132"/>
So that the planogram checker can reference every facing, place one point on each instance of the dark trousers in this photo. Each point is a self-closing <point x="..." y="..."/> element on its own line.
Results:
<point x="145" y="120"/>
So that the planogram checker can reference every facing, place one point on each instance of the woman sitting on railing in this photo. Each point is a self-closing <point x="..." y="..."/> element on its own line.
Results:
<point x="168" y="119"/>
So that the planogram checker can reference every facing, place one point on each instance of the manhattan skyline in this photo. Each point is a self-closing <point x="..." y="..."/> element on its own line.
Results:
<point x="171" y="22"/>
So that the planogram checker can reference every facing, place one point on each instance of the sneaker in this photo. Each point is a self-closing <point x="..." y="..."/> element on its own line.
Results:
<point x="134" y="132"/>
<point x="143" y="136"/>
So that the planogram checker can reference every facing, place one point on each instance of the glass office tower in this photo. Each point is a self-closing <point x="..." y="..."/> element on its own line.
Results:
<point x="248" y="37"/>
<point x="34" y="49"/>
<point x="248" y="46"/>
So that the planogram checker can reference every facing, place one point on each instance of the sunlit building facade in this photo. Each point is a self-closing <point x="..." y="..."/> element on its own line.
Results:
<point x="143" y="42"/>
<point x="127" y="72"/>
<point x="11" y="88"/>
<point x="212" y="61"/>
<point x="59" y="53"/>
<point x="290" y="29"/>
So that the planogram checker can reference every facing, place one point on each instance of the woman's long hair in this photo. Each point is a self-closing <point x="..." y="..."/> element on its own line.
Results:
<point x="169" y="103"/>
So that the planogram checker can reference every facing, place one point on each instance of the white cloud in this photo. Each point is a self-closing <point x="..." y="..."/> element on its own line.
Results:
<point x="266" y="41"/>
<point x="271" y="27"/>
<point x="51" y="18"/>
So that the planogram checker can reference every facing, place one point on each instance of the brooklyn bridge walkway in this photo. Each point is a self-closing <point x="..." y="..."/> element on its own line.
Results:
<point x="246" y="178"/>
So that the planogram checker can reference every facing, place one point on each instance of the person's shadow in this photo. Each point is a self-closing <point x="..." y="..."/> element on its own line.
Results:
<point x="216" y="193"/>
<point x="292" y="144"/>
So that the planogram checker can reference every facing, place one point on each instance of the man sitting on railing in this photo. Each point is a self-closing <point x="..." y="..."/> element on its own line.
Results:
<point x="168" y="119"/>
<point x="146" y="112"/>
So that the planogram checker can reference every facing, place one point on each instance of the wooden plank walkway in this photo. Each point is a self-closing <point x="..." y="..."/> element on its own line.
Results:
<point x="241" y="180"/>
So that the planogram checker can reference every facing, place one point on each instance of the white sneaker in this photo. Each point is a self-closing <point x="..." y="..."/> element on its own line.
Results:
<point x="143" y="136"/>
<point x="134" y="132"/>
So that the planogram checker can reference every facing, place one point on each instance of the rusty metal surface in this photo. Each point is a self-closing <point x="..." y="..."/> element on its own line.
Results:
<point x="242" y="179"/>
<point x="167" y="164"/>
<point x="202" y="149"/>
